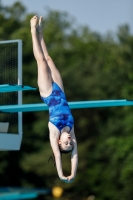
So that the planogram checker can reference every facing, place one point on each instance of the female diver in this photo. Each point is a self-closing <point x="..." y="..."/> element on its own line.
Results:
<point x="61" y="123"/>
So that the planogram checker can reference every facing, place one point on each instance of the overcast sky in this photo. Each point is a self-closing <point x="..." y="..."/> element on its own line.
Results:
<point x="98" y="15"/>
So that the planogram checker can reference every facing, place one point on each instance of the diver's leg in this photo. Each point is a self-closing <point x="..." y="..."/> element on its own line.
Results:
<point x="54" y="71"/>
<point x="44" y="76"/>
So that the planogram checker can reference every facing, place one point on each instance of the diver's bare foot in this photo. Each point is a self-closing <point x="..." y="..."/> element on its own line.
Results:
<point x="40" y="25"/>
<point x="33" y="23"/>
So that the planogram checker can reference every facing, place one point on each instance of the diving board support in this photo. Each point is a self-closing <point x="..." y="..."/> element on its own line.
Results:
<point x="10" y="141"/>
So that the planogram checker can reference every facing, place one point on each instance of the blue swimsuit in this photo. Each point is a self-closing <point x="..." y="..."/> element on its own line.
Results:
<point x="59" y="111"/>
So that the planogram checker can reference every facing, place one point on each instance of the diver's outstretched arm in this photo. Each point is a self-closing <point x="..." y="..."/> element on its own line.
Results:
<point x="74" y="158"/>
<point x="57" y="155"/>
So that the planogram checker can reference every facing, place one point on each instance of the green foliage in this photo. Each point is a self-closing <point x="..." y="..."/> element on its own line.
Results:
<point x="92" y="67"/>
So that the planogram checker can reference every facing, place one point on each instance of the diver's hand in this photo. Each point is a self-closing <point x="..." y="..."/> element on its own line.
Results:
<point x="63" y="178"/>
<point x="70" y="179"/>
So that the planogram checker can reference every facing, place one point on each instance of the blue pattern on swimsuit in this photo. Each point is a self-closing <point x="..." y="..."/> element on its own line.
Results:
<point x="59" y="111"/>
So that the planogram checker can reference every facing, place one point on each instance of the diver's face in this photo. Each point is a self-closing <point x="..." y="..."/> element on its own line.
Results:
<point x="66" y="142"/>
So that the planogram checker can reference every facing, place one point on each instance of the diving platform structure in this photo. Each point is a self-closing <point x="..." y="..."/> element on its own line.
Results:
<point x="11" y="141"/>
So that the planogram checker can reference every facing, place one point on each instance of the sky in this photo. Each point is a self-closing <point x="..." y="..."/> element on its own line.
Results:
<point x="99" y="15"/>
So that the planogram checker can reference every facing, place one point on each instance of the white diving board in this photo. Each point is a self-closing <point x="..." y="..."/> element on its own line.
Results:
<point x="73" y="105"/>
<point x="13" y="88"/>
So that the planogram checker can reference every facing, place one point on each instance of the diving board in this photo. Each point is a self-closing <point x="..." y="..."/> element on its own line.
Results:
<point x="9" y="193"/>
<point x="73" y="105"/>
<point x="14" y="88"/>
